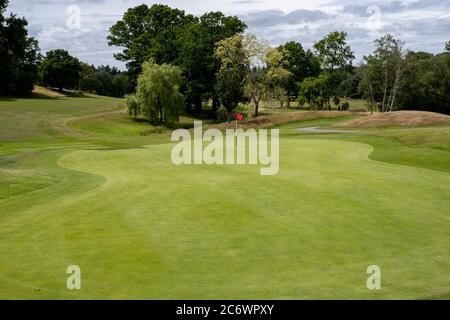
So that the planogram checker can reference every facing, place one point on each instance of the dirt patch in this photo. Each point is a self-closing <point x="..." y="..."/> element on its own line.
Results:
<point x="44" y="92"/>
<point x="281" y="118"/>
<point x="41" y="92"/>
<point x="397" y="118"/>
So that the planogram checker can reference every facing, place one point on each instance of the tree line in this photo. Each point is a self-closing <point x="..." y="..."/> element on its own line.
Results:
<point x="207" y="63"/>
<point x="22" y="65"/>
<point x="394" y="78"/>
<point x="58" y="69"/>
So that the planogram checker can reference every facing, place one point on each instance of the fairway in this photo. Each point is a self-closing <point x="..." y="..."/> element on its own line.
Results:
<point x="140" y="227"/>
<point x="224" y="157"/>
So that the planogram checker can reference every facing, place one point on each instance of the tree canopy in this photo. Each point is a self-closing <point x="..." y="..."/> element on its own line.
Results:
<point x="19" y="55"/>
<point x="232" y="73"/>
<point x="426" y="85"/>
<point x="256" y="85"/>
<point x="196" y="45"/>
<point x="334" y="52"/>
<point x="171" y="36"/>
<point x="384" y="69"/>
<point x="300" y="63"/>
<point x="335" y="57"/>
<point x="104" y="80"/>
<point x="59" y="69"/>
<point x="148" y="32"/>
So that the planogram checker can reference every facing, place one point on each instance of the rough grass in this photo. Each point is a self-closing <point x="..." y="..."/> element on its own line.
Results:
<point x="276" y="119"/>
<point x="272" y="106"/>
<point x="397" y="118"/>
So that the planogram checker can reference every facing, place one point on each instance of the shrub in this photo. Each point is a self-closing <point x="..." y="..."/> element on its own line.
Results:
<point x="336" y="101"/>
<point x="345" y="106"/>
<point x="222" y="114"/>
<point x="301" y="101"/>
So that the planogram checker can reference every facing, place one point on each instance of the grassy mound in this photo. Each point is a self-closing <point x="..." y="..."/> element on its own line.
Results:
<point x="397" y="118"/>
<point x="280" y="118"/>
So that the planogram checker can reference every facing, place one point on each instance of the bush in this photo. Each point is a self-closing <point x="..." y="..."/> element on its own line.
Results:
<point x="222" y="114"/>
<point x="345" y="106"/>
<point x="301" y="101"/>
<point x="336" y="101"/>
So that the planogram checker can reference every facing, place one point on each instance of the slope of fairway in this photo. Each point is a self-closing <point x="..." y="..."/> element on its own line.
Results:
<point x="140" y="227"/>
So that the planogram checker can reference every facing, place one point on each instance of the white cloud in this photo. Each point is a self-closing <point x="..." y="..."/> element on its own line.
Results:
<point x="424" y="24"/>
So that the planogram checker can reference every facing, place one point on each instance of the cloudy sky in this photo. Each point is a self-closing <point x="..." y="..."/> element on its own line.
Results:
<point x="423" y="24"/>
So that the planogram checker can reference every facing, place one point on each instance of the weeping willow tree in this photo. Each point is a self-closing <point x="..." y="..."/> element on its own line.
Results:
<point x="132" y="103"/>
<point x="158" y="93"/>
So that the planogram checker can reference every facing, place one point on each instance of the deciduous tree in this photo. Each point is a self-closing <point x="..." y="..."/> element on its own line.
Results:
<point x="317" y="91"/>
<point x="277" y="75"/>
<point x="148" y="33"/>
<point x="256" y="85"/>
<point x="334" y="52"/>
<point x="336" y="57"/>
<point x="301" y="64"/>
<point x="385" y="70"/>
<point x="19" y="55"/>
<point x="158" y="95"/>
<point x="170" y="36"/>
<point x="196" y="45"/>
<point x="231" y="77"/>
<point x="427" y="85"/>
<point x="59" y="69"/>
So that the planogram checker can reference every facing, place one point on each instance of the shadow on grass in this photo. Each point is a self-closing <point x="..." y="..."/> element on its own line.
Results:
<point x="40" y="96"/>
<point x="443" y="296"/>
<point x="6" y="99"/>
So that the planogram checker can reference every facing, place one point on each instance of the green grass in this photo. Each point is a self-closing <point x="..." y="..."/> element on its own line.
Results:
<point x="87" y="192"/>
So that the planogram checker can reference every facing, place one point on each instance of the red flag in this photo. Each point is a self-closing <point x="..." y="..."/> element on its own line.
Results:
<point x="239" y="116"/>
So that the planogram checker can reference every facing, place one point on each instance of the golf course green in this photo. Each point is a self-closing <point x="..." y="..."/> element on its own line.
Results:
<point x="81" y="184"/>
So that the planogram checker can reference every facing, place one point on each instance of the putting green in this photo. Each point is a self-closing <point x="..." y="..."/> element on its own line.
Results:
<point x="140" y="227"/>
